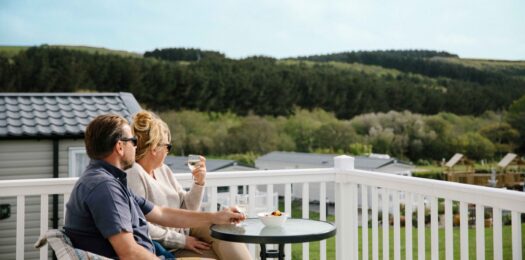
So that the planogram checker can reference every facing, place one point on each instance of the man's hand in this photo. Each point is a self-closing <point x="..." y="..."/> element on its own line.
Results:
<point x="228" y="216"/>
<point x="196" y="245"/>
<point x="174" y="217"/>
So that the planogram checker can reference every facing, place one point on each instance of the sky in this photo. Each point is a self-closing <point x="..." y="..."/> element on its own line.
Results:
<point x="485" y="29"/>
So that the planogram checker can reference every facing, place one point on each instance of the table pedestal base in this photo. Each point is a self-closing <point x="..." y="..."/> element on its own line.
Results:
<point x="272" y="253"/>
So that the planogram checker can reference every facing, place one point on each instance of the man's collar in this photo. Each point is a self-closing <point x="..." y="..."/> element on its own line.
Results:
<point x="112" y="169"/>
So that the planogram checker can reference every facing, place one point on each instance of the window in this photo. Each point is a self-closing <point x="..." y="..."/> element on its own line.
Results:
<point x="78" y="161"/>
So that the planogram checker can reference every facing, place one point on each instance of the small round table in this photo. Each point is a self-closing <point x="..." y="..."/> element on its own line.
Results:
<point x="292" y="231"/>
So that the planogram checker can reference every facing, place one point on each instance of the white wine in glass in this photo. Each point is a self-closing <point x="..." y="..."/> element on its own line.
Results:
<point x="193" y="161"/>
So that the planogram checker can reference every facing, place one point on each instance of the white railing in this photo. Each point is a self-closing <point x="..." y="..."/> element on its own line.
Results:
<point x="416" y="191"/>
<point x="355" y="189"/>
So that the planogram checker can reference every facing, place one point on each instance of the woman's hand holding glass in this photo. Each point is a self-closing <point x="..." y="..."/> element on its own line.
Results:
<point x="197" y="165"/>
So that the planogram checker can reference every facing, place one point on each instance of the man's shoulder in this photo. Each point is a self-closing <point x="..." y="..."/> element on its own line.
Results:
<point x="96" y="178"/>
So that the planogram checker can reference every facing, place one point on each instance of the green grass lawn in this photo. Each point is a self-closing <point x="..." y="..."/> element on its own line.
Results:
<point x="507" y="246"/>
<point x="330" y="245"/>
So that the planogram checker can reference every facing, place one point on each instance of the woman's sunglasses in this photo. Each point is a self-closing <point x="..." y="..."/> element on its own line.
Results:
<point x="168" y="146"/>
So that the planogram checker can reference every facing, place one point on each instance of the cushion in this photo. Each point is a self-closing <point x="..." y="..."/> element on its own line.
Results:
<point x="63" y="248"/>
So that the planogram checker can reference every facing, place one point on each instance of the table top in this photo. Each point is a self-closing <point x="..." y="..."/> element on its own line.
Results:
<point x="292" y="231"/>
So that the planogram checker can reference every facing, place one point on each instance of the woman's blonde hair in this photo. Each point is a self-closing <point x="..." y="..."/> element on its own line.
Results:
<point x="149" y="130"/>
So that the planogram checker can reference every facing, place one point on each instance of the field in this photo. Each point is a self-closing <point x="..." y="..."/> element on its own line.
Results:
<point x="10" y="51"/>
<point x="356" y="67"/>
<point x="512" y="68"/>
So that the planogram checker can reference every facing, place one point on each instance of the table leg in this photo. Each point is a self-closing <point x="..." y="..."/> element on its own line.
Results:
<point x="272" y="253"/>
<point x="263" y="251"/>
<point x="281" y="251"/>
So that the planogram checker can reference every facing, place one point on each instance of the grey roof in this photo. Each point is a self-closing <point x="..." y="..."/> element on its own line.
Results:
<point x="327" y="160"/>
<point x="44" y="115"/>
<point x="370" y="163"/>
<point x="235" y="167"/>
<point x="396" y="167"/>
<point x="178" y="164"/>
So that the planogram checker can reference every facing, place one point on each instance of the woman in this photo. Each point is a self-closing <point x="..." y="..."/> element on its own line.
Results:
<point x="151" y="178"/>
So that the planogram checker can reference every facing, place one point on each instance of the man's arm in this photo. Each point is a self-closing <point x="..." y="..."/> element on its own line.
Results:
<point x="126" y="248"/>
<point x="172" y="217"/>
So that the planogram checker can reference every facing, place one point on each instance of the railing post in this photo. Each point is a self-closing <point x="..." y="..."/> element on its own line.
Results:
<point x="344" y="204"/>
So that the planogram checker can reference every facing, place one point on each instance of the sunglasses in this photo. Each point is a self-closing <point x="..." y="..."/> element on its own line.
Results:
<point x="133" y="139"/>
<point x="168" y="146"/>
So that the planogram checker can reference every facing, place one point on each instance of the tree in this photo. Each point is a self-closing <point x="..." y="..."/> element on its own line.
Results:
<point x="335" y="136"/>
<point x="503" y="136"/>
<point x="254" y="134"/>
<point x="516" y="118"/>
<point x="475" y="146"/>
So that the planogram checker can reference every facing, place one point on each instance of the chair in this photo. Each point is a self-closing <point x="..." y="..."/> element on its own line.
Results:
<point x="63" y="248"/>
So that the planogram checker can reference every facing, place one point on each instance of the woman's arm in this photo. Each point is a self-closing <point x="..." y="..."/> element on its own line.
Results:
<point x="167" y="237"/>
<point x="188" y="200"/>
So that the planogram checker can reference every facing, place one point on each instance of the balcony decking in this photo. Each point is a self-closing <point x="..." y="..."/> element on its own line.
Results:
<point x="356" y="191"/>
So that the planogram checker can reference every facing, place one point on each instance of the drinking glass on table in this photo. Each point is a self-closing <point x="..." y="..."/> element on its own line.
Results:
<point x="193" y="161"/>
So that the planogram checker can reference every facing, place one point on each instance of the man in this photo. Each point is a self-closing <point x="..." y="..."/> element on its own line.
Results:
<point x="103" y="216"/>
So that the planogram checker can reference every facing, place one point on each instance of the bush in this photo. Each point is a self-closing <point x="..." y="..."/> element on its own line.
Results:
<point x="423" y="162"/>
<point x="400" y="134"/>
<point x="476" y="146"/>
<point x="255" y="134"/>
<point x="359" y="149"/>
<point x="247" y="159"/>
<point x="334" y="135"/>
<point x="433" y="175"/>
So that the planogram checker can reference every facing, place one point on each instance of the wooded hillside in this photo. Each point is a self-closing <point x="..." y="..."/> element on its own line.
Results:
<point x="347" y="84"/>
<point x="338" y="103"/>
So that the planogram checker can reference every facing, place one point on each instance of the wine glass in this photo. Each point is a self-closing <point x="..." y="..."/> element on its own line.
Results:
<point x="241" y="202"/>
<point x="193" y="161"/>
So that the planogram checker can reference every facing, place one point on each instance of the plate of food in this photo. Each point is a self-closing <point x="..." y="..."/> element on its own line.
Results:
<point x="275" y="218"/>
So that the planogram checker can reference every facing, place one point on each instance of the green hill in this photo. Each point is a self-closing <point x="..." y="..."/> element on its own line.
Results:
<point x="347" y="84"/>
<point x="432" y="63"/>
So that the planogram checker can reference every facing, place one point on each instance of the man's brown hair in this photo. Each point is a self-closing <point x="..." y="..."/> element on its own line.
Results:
<point x="102" y="134"/>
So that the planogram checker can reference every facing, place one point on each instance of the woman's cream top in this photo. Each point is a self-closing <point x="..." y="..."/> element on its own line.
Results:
<point x="164" y="190"/>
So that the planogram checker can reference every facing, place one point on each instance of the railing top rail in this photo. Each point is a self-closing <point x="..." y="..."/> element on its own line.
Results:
<point x="36" y="186"/>
<point x="505" y="199"/>
<point x="263" y="177"/>
<point x="64" y="185"/>
<point x="487" y="196"/>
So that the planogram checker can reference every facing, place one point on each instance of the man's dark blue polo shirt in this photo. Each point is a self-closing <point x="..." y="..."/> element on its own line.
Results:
<point x="101" y="205"/>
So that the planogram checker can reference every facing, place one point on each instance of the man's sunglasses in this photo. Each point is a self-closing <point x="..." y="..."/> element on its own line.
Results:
<point x="133" y="139"/>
